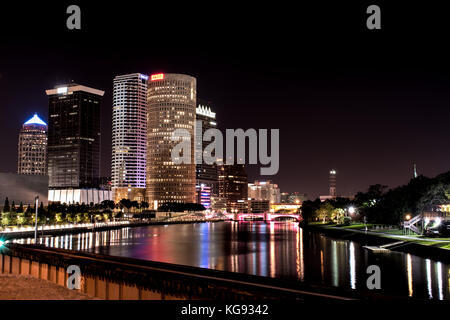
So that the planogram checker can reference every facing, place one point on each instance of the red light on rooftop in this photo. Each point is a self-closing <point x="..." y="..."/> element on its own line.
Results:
<point x="158" y="76"/>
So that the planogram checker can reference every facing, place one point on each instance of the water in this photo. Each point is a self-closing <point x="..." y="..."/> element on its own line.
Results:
<point x="281" y="250"/>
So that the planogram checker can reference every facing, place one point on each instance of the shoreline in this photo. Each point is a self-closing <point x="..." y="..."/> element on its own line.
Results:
<point x="409" y="246"/>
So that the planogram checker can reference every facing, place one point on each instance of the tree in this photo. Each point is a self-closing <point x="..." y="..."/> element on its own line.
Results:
<point x="13" y="207"/>
<point x="6" y="207"/>
<point x="144" y="205"/>
<point x="324" y="212"/>
<point x="337" y="215"/>
<point x="308" y="210"/>
<point x="107" y="204"/>
<point x="134" y="204"/>
<point x="20" y="209"/>
<point x="126" y="203"/>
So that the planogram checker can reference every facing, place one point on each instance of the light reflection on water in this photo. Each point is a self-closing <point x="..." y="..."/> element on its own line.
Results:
<point x="272" y="249"/>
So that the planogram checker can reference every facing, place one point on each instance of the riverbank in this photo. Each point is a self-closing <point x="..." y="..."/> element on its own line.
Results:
<point x="436" y="249"/>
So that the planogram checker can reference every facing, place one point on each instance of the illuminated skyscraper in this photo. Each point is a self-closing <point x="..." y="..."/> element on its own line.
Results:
<point x="233" y="187"/>
<point x="264" y="190"/>
<point x="32" y="153"/>
<point x="74" y="136"/>
<point x="332" y="183"/>
<point x="129" y="137"/>
<point x="206" y="174"/>
<point x="171" y="105"/>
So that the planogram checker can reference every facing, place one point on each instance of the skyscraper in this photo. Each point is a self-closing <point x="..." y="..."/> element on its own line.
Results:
<point x="333" y="182"/>
<point x="129" y="137"/>
<point x="264" y="190"/>
<point x="233" y="186"/>
<point x="74" y="143"/>
<point x="207" y="183"/>
<point x="171" y="105"/>
<point x="32" y="148"/>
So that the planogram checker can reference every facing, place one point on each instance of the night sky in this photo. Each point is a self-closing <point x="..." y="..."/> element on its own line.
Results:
<point x="368" y="103"/>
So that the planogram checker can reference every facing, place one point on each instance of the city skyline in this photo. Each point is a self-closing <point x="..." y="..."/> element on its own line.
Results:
<point x="368" y="112"/>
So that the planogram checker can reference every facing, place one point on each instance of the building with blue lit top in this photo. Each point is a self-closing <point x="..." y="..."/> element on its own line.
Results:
<point x="32" y="147"/>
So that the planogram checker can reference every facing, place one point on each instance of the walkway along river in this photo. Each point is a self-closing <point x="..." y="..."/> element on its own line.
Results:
<point x="276" y="249"/>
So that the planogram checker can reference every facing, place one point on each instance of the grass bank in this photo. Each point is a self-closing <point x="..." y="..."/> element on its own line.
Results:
<point x="433" y="248"/>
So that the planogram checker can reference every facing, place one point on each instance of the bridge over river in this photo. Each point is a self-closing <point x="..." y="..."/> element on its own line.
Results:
<point x="266" y="216"/>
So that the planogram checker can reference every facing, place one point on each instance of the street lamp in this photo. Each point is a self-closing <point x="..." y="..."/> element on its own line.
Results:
<point x="36" y="219"/>
<point x="351" y="210"/>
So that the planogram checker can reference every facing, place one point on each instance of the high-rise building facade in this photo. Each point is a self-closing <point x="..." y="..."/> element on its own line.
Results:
<point x="129" y="137"/>
<point x="74" y="136"/>
<point x="332" y="182"/>
<point x="264" y="190"/>
<point x="205" y="174"/>
<point x="293" y="197"/>
<point x="32" y="147"/>
<point x="233" y="187"/>
<point x="332" y="186"/>
<point x="171" y="103"/>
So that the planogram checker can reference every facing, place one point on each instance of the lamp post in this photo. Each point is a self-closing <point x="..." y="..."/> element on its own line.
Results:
<point x="36" y="220"/>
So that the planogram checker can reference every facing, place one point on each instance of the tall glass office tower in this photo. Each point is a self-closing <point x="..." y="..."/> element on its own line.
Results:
<point x="129" y="137"/>
<point x="171" y="105"/>
<point x="74" y="136"/>
<point x="32" y="147"/>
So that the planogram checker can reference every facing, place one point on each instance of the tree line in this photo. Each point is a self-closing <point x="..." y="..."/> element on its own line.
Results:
<point x="57" y="212"/>
<point x="378" y="204"/>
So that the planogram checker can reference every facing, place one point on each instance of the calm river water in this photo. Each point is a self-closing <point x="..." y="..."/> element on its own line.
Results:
<point x="276" y="249"/>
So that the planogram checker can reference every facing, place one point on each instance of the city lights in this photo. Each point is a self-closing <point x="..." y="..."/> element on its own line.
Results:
<point x="159" y="76"/>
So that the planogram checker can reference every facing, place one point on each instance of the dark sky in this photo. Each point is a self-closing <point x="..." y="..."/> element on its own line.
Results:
<point x="368" y="103"/>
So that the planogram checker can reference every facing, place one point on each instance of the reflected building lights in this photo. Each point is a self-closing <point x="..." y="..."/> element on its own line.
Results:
<point x="352" y="263"/>
<point x="322" y="271"/>
<point x="410" y="278"/>
<point x="334" y="264"/>
<point x="438" y="267"/>
<point x="272" y="249"/>
<point x="429" y="284"/>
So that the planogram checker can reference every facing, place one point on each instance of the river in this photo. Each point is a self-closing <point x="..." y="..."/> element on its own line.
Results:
<point x="276" y="249"/>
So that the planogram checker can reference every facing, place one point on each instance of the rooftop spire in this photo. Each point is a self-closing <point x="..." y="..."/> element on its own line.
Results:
<point x="35" y="120"/>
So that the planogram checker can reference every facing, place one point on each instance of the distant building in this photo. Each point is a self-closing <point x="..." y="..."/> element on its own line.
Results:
<point x="105" y="183"/>
<point x="332" y="186"/>
<point x="259" y="206"/>
<point x="218" y="204"/>
<point x="332" y="182"/>
<point x="74" y="144"/>
<point x="203" y="194"/>
<point x="293" y="197"/>
<point x="171" y="103"/>
<point x="285" y="207"/>
<point x="233" y="187"/>
<point x="129" y="137"/>
<point x="32" y="148"/>
<point x="205" y="174"/>
<point x="264" y="190"/>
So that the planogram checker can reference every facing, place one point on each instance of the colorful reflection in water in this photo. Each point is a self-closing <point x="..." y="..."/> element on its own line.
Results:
<point x="273" y="249"/>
